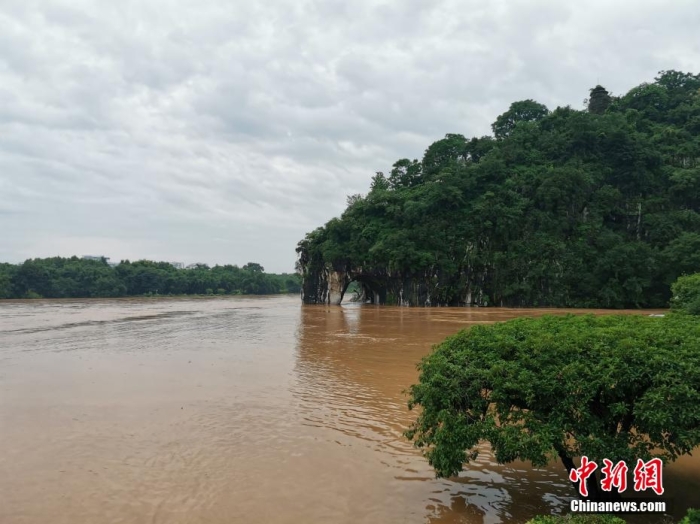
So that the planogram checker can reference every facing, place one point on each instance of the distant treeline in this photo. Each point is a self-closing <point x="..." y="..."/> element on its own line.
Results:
<point x="80" y="278"/>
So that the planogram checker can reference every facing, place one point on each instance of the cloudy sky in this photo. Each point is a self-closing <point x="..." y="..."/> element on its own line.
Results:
<point x="222" y="131"/>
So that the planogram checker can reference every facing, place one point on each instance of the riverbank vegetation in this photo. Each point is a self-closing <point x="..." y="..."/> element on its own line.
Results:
<point x="621" y="387"/>
<point x="686" y="294"/>
<point x="598" y="207"/>
<point x="80" y="278"/>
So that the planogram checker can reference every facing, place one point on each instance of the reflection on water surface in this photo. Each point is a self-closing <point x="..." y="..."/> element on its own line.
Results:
<point x="239" y="410"/>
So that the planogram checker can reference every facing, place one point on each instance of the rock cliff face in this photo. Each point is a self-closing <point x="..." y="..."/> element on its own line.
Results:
<point x="327" y="285"/>
<point x="324" y="285"/>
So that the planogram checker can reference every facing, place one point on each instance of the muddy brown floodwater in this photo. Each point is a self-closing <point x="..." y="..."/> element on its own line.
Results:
<point x="240" y="410"/>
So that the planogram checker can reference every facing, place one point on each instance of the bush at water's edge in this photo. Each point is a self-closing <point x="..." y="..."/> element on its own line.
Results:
<point x="692" y="517"/>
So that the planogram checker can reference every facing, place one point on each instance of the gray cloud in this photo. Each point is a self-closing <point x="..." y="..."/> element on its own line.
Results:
<point x="223" y="131"/>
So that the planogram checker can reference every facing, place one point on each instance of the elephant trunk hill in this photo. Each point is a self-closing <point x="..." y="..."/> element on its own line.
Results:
<point x="598" y="207"/>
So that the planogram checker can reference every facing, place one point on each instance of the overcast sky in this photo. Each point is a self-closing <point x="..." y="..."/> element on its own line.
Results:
<point x="222" y="131"/>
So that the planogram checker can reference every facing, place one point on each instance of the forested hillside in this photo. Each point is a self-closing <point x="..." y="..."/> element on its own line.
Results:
<point x="596" y="207"/>
<point x="80" y="278"/>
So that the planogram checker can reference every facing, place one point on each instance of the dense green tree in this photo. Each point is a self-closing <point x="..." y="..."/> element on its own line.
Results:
<point x="522" y="111"/>
<point x="443" y="153"/>
<point x="78" y="278"/>
<point x="621" y="387"/>
<point x="253" y="267"/>
<point x="6" y="276"/>
<point x="686" y="294"/>
<point x="405" y="173"/>
<point x="692" y="517"/>
<point x="562" y="208"/>
<point x="379" y="182"/>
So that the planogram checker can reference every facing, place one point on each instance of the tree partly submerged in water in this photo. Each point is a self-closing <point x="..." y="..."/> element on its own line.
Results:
<point x="615" y="387"/>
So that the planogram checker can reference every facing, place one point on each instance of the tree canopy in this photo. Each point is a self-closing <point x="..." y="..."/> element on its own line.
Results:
<point x="80" y="278"/>
<point x="686" y="294"/>
<point x="523" y="111"/>
<point x="621" y="387"/>
<point x="579" y="208"/>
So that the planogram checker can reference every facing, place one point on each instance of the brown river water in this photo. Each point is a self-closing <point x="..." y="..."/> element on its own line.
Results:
<point x="241" y="410"/>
